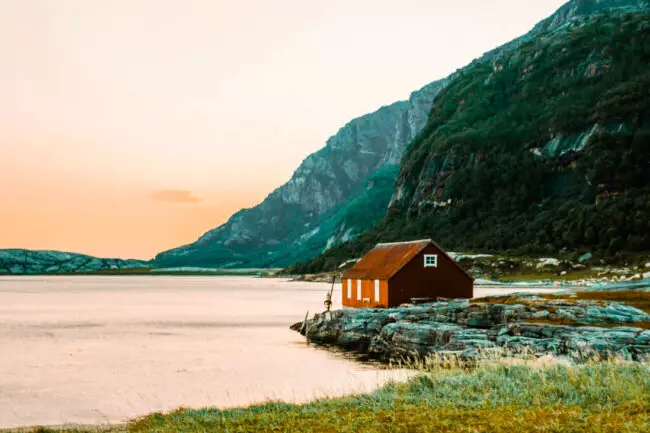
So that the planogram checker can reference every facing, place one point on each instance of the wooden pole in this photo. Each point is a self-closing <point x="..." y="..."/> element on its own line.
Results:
<point x="303" y="328"/>
<point x="328" y="297"/>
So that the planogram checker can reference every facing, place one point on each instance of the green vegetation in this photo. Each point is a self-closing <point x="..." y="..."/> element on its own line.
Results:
<point x="365" y="208"/>
<point x="605" y="397"/>
<point x="74" y="429"/>
<point x="541" y="276"/>
<point x="634" y="298"/>
<point x="570" y="322"/>
<point x="541" y="150"/>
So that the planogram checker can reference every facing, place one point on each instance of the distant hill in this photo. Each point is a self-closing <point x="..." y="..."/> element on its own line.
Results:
<point x="542" y="148"/>
<point x="19" y="262"/>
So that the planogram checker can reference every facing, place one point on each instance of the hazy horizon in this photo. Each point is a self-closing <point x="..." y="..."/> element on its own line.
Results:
<point x="131" y="127"/>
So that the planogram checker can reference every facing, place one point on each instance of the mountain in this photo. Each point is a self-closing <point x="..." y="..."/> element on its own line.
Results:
<point x="313" y="210"/>
<point x="574" y="9"/>
<point x="18" y="261"/>
<point x="581" y="8"/>
<point x="303" y="217"/>
<point x="541" y="147"/>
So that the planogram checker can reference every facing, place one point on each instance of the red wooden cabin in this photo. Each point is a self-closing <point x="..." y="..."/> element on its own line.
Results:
<point x="396" y="273"/>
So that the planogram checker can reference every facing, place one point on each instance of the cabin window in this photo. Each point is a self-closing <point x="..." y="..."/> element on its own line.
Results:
<point x="358" y="290"/>
<point x="431" y="260"/>
<point x="376" y="290"/>
<point x="348" y="284"/>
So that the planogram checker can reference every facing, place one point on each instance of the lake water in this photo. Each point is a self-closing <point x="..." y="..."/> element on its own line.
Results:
<point x="95" y="350"/>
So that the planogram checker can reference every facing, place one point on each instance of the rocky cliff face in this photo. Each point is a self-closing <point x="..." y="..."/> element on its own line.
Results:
<point x="530" y="130"/>
<point x="20" y="262"/>
<point x="570" y="11"/>
<point x="580" y="8"/>
<point x="295" y="222"/>
<point x="331" y="177"/>
<point x="534" y="148"/>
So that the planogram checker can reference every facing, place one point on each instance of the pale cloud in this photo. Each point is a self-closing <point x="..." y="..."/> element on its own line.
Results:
<point x="175" y="196"/>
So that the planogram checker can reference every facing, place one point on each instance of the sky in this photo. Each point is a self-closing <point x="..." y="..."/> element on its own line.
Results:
<point x="128" y="127"/>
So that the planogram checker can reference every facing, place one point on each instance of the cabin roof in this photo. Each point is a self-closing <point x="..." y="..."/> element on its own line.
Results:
<point x="385" y="260"/>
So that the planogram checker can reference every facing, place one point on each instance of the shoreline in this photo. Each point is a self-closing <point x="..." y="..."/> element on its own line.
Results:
<point x="506" y="302"/>
<point x="86" y="428"/>
<point x="574" y="325"/>
<point x="495" y="397"/>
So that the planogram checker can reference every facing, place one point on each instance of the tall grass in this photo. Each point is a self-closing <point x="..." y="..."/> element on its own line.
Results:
<point x="492" y="397"/>
<point x="596" y="397"/>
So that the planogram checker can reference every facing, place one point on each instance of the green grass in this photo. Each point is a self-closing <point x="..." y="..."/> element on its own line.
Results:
<point x="80" y="429"/>
<point x="552" y="276"/>
<point x="570" y="322"/>
<point x="495" y="398"/>
<point x="598" y="397"/>
<point x="635" y="298"/>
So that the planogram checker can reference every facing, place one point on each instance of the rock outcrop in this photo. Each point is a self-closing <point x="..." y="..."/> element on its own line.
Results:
<point x="20" y="262"/>
<point x="471" y="330"/>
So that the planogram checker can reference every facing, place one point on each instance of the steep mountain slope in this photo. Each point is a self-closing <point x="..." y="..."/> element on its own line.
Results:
<point x="538" y="149"/>
<point x="580" y="8"/>
<point x="18" y="261"/>
<point x="273" y="233"/>
<point x="571" y="10"/>
<point x="294" y="222"/>
<point x="361" y="211"/>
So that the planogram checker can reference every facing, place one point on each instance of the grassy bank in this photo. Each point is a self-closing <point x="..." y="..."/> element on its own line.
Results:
<point x="606" y="397"/>
<point x="634" y="298"/>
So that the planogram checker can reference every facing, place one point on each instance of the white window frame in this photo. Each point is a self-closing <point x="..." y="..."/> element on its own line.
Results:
<point x="358" y="290"/>
<point x="431" y="260"/>
<point x="348" y="284"/>
<point x="377" y="295"/>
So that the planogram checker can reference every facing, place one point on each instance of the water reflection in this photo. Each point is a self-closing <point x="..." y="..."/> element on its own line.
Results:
<point x="104" y="349"/>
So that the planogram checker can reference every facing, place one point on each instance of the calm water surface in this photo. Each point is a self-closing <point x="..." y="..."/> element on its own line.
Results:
<point x="105" y="349"/>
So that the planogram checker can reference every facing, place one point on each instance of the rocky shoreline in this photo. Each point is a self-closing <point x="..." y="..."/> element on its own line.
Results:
<point x="579" y="326"/>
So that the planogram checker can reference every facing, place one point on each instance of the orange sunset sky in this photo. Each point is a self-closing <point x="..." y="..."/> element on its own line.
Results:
<point x="128" y="127"/>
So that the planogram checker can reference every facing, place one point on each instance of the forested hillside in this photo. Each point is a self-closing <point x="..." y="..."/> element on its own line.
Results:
<point x="543" y="149"/>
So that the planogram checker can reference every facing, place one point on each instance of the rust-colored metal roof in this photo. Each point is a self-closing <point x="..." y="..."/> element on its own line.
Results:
<point x="385" y="260"/>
